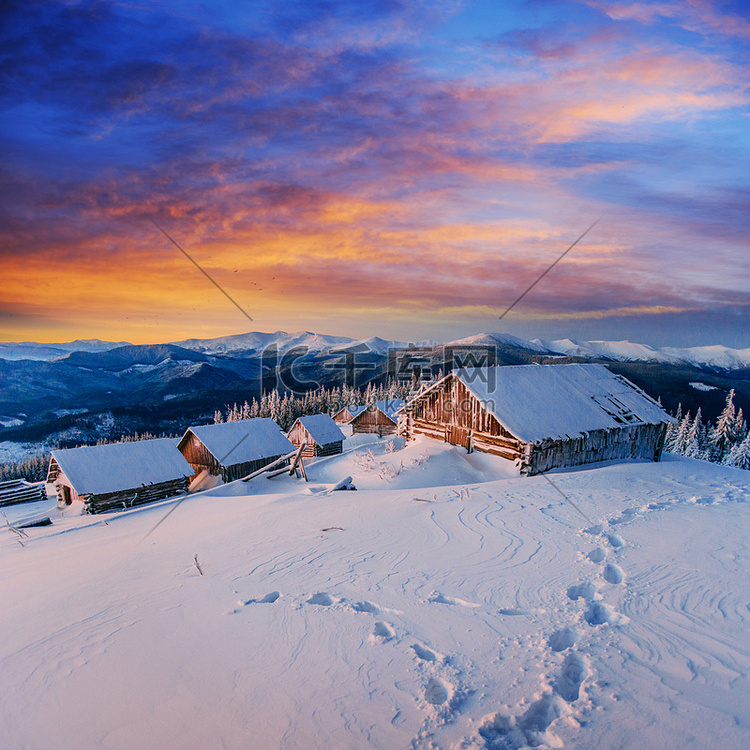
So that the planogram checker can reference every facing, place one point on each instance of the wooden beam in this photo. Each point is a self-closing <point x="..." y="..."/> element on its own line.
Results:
<point x="297" y="457"/>
<point x="265" y="468"/>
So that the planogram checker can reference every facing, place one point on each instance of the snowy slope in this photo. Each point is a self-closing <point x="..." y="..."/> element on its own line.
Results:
<point x="445" y="604"/>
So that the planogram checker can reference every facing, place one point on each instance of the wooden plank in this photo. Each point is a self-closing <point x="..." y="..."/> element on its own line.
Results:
<point x="265" y="468"/>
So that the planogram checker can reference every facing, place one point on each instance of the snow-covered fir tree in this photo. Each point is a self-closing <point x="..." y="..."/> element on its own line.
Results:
<point x="739" y="455"/>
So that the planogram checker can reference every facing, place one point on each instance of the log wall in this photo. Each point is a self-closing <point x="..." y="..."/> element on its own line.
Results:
<point x="122" y="499"/>
<point x="198" y="456"/>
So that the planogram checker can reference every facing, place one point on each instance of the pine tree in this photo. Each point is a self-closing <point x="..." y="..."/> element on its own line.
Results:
<point x="693" y="448"/>
<point x="739" y="455"/>
<point x="218" y="418"/>
<point x="680" y="441"/>
<point x="723" y="435"/>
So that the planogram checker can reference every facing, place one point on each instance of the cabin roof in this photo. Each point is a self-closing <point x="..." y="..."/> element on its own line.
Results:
<point x="389" y="407"/>
<point x="537" y="402"/>
<point x="355" y="411"/>
<point x="98" y="469"/>
<point x="323" y="430"/>
<point x="243" y="440"/>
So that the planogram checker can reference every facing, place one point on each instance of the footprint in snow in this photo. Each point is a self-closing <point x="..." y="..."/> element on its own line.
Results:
<point x="562" y="639"/>
<point x="365" y="606"/>
<point x="267" y="599"/>
<point x="437" y="598"/>
<point x="322" y="599"/>
<point x="613" y="574"/>
<point x="602" y="614"/>
<point x="437" y="692"/>
<point x="615" y="540"/>
<point x="383" y="632"/>
<point x="597" y="555"/>
<point x="575" y="669"/>
<point x="427" y="654"/>
<point x="528" y="730"/>
<point x="514" y="611"/>
<point x="582" y="591"/>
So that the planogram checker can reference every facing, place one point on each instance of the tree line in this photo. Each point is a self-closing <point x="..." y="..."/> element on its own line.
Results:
<point x="727" y="442"/>
<point x="284" y="410"/>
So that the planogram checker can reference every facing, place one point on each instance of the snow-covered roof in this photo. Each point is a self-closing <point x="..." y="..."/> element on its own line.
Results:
<point x="242" y="440"/>
<point x="535" y="402"/>
<point x="323" y="430"/>
<point x="97" y="469"/>
<point x="390" y="406"/>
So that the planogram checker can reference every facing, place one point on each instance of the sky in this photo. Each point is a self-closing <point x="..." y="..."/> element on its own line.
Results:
<point x="375" y="167"/>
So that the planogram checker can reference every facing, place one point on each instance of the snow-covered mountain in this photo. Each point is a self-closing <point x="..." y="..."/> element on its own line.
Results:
<point x="46" y="352"/>
<point x="713" y="357"/>
<point x="257" y="341"/>
<point x="719" y="357"/>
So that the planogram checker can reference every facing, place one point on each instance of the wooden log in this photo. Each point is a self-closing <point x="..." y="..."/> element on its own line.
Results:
<point x="302" y="469"/>
<point x="298" y="455"/>
<point x="265" y="468"/>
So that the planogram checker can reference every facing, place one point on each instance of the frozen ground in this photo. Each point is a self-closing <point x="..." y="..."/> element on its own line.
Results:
<point x="445" y="604"/>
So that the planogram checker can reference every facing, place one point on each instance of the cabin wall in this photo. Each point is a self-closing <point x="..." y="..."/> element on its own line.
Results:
<point x="66" y="493"/>
<point x="198" y="456"/>
<point x="238" y="471"/>
<point x="298" y="435"/>
<point x="454" y="415"/>
<point x="373" y="420"/>
<point x="342" y="417"/>
<point x="644" y="441"/>
<point x="122" y="499"/>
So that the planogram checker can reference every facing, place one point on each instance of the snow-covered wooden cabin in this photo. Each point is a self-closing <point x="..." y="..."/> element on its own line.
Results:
<point x="379" y="417"/>
<point x="119" y="475"/>
<point x="234" y="449"/>
<point x="541" y="416"/>
<point x="345" y="415"/>
<point x="320" y="434"/>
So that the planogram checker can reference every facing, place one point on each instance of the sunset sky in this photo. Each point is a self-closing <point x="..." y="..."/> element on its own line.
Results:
<point x="376" y="167"/>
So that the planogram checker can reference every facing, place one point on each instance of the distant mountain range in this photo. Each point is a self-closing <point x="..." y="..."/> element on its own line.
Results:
<point x="82" y="390"/>
<point x="716" y="357"/>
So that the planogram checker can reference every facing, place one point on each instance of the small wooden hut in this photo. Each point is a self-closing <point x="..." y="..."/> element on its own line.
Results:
<point x="320" y="433"/>
<point x="541" y="416"/>
<point x="345" y="415"/>
<point x="379" y="417"/>
<point x="119" y="475"/>
<point x="15" y="491"/>
<point x="234" y="449"/>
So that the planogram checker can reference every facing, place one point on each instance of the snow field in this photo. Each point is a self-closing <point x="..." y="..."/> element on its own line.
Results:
<point x="414" y="612"/>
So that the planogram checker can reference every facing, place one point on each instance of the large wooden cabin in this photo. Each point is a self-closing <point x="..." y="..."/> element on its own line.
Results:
<point x="320" y="434"/>
<point x="119" y="475"/>
<point x="234" y="449"/>
<point x="540" y="416"/>
<point x="379" y="417"/>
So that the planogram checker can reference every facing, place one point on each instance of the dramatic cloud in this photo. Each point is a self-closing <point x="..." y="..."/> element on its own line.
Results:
<point x="369" y="166"/>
